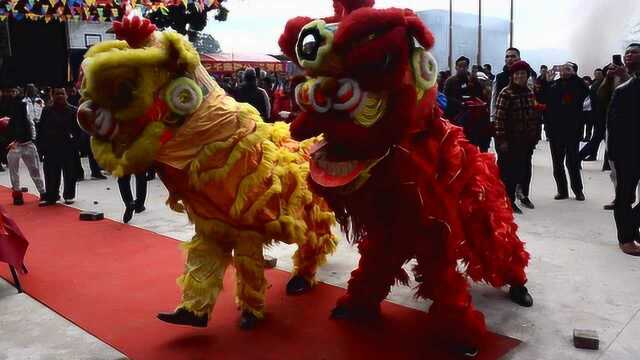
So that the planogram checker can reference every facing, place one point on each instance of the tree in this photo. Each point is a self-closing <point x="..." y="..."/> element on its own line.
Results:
<point x="207" y="44"/>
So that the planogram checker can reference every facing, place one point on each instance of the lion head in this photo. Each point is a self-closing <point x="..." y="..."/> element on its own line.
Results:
<point x="370" y="82"/>
<point x="136" y="91"/>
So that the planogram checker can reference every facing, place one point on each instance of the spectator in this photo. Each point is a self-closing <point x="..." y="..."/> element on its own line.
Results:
<point x="623" y="127"/>
<point x="544" y="81"/>
<point x="614" y="76"/>
<point x="458" y="89"/>
<point x="598" y="117"/>
<point x="501" y="81"/>
<point x="587" y="112"/>
<point x="34" y="104"/>
<point x="487" y="71"/>
<point x="58" y="137"/>
<point x="517" y="132"/>
<point x="249" y="92"/>
<point x="74" y="96"/>
<point x="137" y="205"/>
<point x="20" y="136"/>
<point x="564" y="103"/>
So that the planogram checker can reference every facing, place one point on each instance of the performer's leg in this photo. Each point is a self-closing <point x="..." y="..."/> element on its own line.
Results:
<point x="251" y="284"/>
<point x="452" y="317"/>
<point x="202" y="281"/>
<point x="379" y="268"/>
<point x="309" y="256"/>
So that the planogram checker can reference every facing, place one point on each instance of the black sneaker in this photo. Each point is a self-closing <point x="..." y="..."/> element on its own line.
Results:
<point x="68" y="201"/>
<point x="128" y="214"/>
<point x="527" y="203"/>
<point x="580" y="196"/>
<point x="140" y="208"/>
<point x="561" y="197"/>
<point x="611" y="206"/>
<point x="99" y="177"/>
<point x="516" y="209"/>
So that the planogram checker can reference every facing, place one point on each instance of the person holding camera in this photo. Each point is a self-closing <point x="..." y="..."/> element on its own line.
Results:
<point x="565" y="102"/>
<point x="623" y="144"/>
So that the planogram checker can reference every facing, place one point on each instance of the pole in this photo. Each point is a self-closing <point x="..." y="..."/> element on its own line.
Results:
<point x="479" y="59"/>
<point x="451" y="35"/>
<point x="511" y="26"/>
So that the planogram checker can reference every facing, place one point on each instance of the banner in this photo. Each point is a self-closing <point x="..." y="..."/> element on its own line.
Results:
<point x="93" y="10"/>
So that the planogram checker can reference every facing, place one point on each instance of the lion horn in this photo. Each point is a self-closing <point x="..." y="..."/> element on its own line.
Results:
<point x="345" y="7"/>
<point x="135" y="31"/>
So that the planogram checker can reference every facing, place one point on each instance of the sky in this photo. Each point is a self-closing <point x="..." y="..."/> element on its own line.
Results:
<point x="255" y="25"/>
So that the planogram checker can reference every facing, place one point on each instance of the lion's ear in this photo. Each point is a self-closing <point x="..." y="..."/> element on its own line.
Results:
<point x="182" y="55"/>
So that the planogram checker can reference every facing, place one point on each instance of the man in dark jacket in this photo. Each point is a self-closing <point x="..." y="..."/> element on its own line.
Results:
<point x="459" y="88"/>
<point x="623" y="125"/>
<point x="20" y="136"/>
<point x="58" y="138"/>
<point x="250" y="93"/>
<point x="566" y="118"/>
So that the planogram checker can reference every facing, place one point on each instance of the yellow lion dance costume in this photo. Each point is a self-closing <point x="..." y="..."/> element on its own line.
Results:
<point x="148" y="101"/>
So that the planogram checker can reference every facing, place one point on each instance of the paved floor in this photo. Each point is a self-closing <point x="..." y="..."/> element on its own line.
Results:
<point x="578" y="277"/>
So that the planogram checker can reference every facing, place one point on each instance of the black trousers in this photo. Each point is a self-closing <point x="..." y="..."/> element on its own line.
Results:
<point x="566" y="151"/>
<point x="515" y="166"/>
<point x="525" y="184"/>
<point x="627" y="218"/>
<point x="93" y="165"/>
<point x="54" y="168"/>
<point x="592" y="147"/>
<point x="77" y="164"/>
<point x="124" y="184"/>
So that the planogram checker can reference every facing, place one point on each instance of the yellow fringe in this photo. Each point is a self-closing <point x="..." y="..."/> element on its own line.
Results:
<point x="138" y="157"/>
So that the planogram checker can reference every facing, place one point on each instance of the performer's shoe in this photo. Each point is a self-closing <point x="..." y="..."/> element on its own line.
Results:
<point x="630" y="248"/>
<point x="561" y="196"/>
<point x="17" y="198"/>
<point x="520" y="295"/>
<point x="611" y="206"/>
<point x="469" y="351"/>
<point x="248" y="321"/>
<point x="580" y="196"/>
<point x="184" y="317"/>
<point x="516" y="209"/>
<point x="527" y="203"/>
<point x="140" y="208"/>
<point x="344" y="312"/>
<point x="128" y="213"/>
<point x="298" y="285"/>
<point x="98" y="177"/>
<point x="590" y="158"/>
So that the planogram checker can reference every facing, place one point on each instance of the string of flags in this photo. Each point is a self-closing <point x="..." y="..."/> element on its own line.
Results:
<point x="102" y="10"/>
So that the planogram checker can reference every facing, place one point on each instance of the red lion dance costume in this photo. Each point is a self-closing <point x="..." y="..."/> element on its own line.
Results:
<point x="404" y="183"/>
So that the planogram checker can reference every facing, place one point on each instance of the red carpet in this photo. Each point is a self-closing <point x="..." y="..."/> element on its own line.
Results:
<point x="111" y="279"/>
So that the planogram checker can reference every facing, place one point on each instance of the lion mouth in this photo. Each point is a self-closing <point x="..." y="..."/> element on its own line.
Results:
<point x="328" y="170"/>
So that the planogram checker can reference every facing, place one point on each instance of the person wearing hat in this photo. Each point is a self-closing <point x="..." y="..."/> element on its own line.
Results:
<point x="565" y="101"/>
<point x="517" y="126"/>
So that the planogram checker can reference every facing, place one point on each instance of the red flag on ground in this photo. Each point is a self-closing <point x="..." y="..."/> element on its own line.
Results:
<point x="13" y="244"/>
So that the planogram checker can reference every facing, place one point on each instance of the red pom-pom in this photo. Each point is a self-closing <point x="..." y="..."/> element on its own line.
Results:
<point x="351" y="5"/>
<point x="135" y="31"/>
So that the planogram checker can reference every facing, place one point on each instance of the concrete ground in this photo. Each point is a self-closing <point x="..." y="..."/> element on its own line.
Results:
<point x="578" y="277"/>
